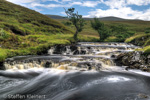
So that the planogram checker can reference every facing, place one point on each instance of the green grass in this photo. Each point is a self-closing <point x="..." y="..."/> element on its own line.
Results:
<point x="137" y="36"/>
<point x="143" y="40"/>
<point x="139" y="39"/>
<point x="146" y="50"/>
<point x="137" y="26"/>
<point x="23" y="21"/>
<point x="38" y="44"/>
<point x="3" y="54"/>
<point x="27" y="32"/>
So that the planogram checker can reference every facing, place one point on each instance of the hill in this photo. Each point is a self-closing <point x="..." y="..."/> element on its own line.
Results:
<point x="137" y="26"/>
<point x="110" y="18"/>
<point x="27" y="32"/>
<point x="56" y="17"/>
<point x="19" y="20"/>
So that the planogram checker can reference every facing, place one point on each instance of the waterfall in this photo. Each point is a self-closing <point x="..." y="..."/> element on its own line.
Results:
<point x="83" y="56"/>
<point x="85" y="71"/>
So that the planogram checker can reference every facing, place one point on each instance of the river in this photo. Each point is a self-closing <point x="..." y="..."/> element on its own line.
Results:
<point x="86" y="71"/>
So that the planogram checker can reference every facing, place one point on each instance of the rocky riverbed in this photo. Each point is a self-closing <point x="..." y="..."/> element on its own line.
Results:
<point x="86" y="71"/>
<point x="134" y="60"/>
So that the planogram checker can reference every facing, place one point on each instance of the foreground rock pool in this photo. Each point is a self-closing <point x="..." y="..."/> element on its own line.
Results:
<point x="86" y="71"/>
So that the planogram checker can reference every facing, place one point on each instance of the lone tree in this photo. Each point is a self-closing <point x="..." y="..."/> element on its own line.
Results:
<point x="100" y="28"/>
<point x="77" y="21"/>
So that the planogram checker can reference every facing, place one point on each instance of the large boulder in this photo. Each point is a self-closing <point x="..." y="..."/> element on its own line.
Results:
<point x="134" y="60"/>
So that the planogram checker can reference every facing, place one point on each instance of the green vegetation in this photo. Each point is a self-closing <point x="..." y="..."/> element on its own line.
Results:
<point x="26" y="32"/>
<point x="146" y="50"/>
<point x="77" y="21"/>
<point x="119" y="33"/>
<point x="100" y="28"/>
<point x="22" y="21"/>
<point x="137" y="26"/>
<point x="147" y="30"/>
<point x="141" y="40"/>
<point x="37" y="44"/>
<point x="136" y="31"/>
<point x="115" y="33"/>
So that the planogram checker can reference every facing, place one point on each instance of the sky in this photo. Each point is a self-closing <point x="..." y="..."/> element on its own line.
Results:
<point x="128" y="9"/>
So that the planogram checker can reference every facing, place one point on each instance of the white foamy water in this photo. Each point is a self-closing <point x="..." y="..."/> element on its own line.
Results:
<point x="86" y="71"/>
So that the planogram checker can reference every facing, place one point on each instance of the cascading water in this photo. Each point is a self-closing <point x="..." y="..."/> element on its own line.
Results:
<point x="85" y="71"/>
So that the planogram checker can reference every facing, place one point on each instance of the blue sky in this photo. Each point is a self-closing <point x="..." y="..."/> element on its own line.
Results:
<point x="129" y="9"/>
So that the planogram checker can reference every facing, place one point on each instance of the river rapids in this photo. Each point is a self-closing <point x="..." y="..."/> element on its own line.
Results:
<point x="86" y="71"/>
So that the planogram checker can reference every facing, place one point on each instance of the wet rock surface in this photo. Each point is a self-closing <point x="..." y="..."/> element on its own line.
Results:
<point x="86" y="71"/>
<point x="83" y="56"/>
<point x="134" y="60"/>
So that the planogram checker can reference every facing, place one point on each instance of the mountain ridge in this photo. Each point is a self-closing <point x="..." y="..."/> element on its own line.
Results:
<point x="109" y="18"/>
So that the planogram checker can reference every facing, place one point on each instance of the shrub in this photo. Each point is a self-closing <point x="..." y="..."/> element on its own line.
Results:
<point x="147" y="30"/>
<point x="68" y="23"/>
<point x="121" y="32"/>
<point x="3" y="34"/>
<point x="100" y="28"/>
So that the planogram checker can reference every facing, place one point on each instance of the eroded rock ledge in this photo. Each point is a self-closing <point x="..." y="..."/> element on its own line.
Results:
<point x="134" y="60"/>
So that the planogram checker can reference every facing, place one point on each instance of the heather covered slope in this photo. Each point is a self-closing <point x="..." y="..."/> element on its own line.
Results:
<point x="22" y="21"/>
<point x="27" y="32"/>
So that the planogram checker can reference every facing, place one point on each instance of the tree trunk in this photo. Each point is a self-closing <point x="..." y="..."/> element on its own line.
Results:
<point x="76" y="36"/>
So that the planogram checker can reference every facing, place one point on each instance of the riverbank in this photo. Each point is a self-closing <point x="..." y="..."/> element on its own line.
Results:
<point x="38" y="44"/>
<point x="73" y="72"/>
<point x="140" y="58"/>
<point x="135" y="60"/>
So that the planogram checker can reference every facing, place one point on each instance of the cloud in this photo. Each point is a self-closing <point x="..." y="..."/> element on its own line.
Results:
<point x="50" y="0"/>
<point x="138" y="2"/>
<point x="115" y="3"/>
<point x="33" y="5"/>
<point x="122" y="3"/>
<point x="76" y="3"/>
<point x="90" y="3"/>
<point x="101" y="8"/>
<point x="63" y="13"/>
<point x="69" y="4"/>
<point x="66" y="0"/>
<point x="21" y="1"/>
<point x="120" y="8"/>
<point x="124" y="12"/>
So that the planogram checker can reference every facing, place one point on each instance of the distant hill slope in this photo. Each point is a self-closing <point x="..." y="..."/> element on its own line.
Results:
<point x="56" y="17"/>
<point x="110" y="18"/>
<point x="23" y="21"/>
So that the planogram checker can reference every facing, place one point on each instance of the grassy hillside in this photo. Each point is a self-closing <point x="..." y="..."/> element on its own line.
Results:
<point x="27" y="32"/>
<point x="23" y="21"/>
<point x="136" y="26"/>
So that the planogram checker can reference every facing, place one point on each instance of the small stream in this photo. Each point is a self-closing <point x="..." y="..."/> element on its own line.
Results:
<point x="86" y="71"/>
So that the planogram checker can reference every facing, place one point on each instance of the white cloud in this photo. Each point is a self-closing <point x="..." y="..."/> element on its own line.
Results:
<point x="76" y="3"/>
<point x="125" y="12"/>
<point x="50" y="0"/>
<point x="90" y="3"/>
<point x="21" y="1"/>
<point x="138" y="2"/>
<point x="118" y="8"/>
<point x="123" y="3"/>
<point x="66" y="0"/>
<point x="63" y="13"/>
<point x="70" y="4"/>
<point x="115" y="3"/>
<point x="33" y="5"/>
